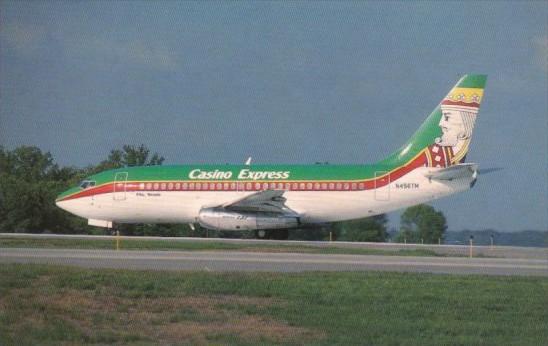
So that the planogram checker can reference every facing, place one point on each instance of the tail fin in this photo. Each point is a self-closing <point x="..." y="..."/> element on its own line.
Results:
<point x="444" y="137"/>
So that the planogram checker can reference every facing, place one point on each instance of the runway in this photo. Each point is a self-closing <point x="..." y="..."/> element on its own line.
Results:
<point x="274" y="262"/>
<point x="446" y="250"/>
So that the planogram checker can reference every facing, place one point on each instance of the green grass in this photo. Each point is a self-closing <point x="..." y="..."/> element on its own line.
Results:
<point x="137" y="244"/>
<point x="64" y="305"/>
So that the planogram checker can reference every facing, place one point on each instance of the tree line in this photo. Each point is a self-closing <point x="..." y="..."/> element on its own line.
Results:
<point x="30" y="180"/>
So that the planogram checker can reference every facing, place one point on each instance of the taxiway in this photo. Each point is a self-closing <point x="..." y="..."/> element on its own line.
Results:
<point x="275" y="262"/>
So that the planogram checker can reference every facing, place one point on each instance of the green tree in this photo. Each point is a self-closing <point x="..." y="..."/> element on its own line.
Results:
<point x="312" y="233"/>
<point x="130" y="156"/>
<point x="30" y="180"/>
<point x="27" y="162"/>
<point x="422" y="223"/>
<point x="371" y="229"/>
<point x="29" y="183"/>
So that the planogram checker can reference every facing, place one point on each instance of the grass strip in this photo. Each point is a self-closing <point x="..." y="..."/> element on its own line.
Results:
<point x="63" y="305"/>
<point x="137" y="244"/>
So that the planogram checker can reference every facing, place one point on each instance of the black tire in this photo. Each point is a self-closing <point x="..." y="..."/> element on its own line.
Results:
<point x="261" y="234"/>
<point x="277" y="234"/>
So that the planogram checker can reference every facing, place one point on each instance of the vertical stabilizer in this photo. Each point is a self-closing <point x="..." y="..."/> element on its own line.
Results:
<point x="444" y="137"/>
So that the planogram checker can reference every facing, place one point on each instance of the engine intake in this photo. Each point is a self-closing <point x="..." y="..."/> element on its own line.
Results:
<point x="224" y="220"/>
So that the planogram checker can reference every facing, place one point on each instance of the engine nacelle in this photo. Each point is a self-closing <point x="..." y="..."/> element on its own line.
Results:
<point x="220" y="219"/>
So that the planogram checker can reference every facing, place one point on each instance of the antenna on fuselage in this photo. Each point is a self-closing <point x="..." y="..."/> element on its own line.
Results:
<point x="248" y="161"/>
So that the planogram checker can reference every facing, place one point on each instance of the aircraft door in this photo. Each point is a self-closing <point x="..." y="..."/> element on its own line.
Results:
<point x="382" y="186"/>
<point x="119" y="193"/>
<point x="240" y="186"/>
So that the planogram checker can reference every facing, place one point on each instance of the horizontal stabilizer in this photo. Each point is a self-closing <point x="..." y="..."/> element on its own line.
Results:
<point x="454" y="172"/>
<point x="490" y="170"/>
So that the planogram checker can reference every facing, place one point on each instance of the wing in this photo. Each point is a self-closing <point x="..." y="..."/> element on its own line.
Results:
<point x="271" y="201"/>
<point x="454" y="172"/>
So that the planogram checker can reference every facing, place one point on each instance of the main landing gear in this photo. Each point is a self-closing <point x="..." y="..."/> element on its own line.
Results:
<point x="277" y="234"/>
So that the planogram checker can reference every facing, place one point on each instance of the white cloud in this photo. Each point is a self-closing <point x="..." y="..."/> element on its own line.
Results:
<point x="541" y="51"/>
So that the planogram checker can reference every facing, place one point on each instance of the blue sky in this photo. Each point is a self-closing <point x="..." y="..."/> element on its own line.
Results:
<point x="283" y="82"/>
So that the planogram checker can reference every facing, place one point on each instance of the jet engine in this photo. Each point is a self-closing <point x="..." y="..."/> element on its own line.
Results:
<point x="227" y="220"/>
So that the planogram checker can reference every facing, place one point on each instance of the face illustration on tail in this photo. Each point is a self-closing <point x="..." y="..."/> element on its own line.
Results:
<point x="458" y="115"/>
<point x="452" y="127"/>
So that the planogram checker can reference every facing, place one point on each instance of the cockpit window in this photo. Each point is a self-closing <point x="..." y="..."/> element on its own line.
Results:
<point x="87" y="184"/>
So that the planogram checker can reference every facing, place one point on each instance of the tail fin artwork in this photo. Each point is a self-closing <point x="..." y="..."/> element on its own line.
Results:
<point x="444" y="137"/>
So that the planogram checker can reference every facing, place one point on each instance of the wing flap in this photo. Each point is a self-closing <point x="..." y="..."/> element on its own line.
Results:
<point x="271" y="201"/>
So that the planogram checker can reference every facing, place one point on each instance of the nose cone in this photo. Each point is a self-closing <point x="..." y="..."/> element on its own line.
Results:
<point x="63" y="200"/>
<point x="60" y="204"/>
<point x="74" y="206"/>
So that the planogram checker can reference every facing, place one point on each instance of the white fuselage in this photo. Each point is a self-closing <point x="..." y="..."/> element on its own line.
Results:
<point x="312" y="206"/>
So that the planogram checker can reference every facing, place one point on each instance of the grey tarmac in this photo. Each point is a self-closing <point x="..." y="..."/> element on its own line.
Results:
<point x="273" y="262"/>
<point x="446" y="250"/>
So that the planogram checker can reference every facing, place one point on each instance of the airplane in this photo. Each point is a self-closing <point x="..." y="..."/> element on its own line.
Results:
<point x="271" y="199"/>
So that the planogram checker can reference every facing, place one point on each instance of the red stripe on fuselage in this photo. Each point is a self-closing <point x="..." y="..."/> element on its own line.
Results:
<point x="227" y="186"/>
<point x="106" y="188"/>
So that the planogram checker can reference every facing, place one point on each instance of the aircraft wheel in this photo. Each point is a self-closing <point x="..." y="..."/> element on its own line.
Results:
<point x="261" y="234"/>
<point x="277" y="234"/>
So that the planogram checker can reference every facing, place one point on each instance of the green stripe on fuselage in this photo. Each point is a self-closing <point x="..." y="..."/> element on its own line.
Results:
<point x="243" y="173"/>
<point x="254" y="173"/>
